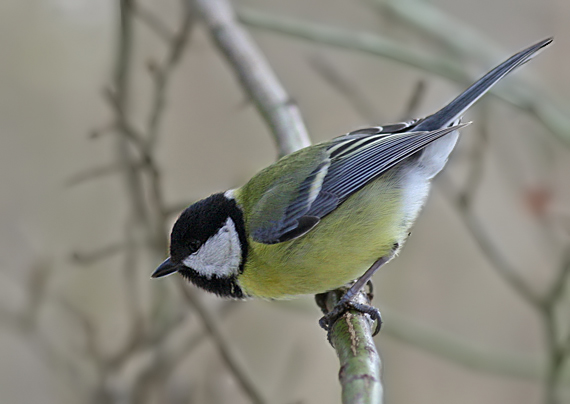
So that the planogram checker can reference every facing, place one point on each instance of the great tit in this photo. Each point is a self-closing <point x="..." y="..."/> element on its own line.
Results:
<point x="325" y="215"/>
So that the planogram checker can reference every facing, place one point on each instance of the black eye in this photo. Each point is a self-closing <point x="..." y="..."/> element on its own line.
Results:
<point x="194" y="244"/>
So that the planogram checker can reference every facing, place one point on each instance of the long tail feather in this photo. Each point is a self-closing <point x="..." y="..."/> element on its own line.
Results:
<point x="455" y="109"/>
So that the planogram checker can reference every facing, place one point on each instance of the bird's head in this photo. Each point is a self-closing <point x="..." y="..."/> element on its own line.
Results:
<point x="208" y="245"/>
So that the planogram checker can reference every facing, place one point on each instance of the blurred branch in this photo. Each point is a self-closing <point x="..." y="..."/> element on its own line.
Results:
<point x="91" y="349"/>
<point x="152" y="21"/>
<point x="146" y="222"/>
<point x="445" y="29"/>
<point x="483" y="239"/>
<point x="546" y="304"/>
<point x="161" y="74"/>
<point x="95" y="173"/>
<point x="418" y="93"/>
<point x="120" y="101"/>
<point x="548" y="113"/>
<point x="363" y="106"/>
<point x="27" y="323"/>
<point x="468" y="42"/>
<point x="139" y="221"/>
<point x="556" y="290"/>
<point x="222" y="344"/>
<point x="556" y="346"/>
<point x="87" y="258"/>
<point x="255" y="75"/>
<point x="462" y="352"/>
<point x="353" y="40"/>
<point x="168" y="355"/>
<point x="347" y="88"/>
<point x="476" y="161"/>
<point x="351" y="337"/>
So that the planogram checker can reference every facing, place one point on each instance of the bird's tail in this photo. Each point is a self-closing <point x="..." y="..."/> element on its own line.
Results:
<point x="455" y="109"/>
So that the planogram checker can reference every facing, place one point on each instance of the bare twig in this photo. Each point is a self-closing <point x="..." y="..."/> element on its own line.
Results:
<point x="162" y="74"/>
<point x="353" y="40"/>
<point x="346" y="88"/>
<point x="139" y="213"/>
<point x="152" y="21"/>
<point x="146" y="223"/>
<point x="469" y="43"/>
<point x="474" y="179"/>
<point x="556" y="290"/>
<point x="548" y="113"/>
<point x="223" y="346"/>
<point x="26" y="322"/>
<point x="483" y="239"/>
<point x="95" y="173"/>
<point x="418" y="93"/>
<point x="557" y="353"/>
<point x="256" y="76"/>
<point x="86" y="258"/>
<point x="167" y="355"/>
<point x="545" y="304"/>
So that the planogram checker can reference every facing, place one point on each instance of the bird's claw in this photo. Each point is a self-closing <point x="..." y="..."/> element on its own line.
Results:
<point x="328" y="320"/>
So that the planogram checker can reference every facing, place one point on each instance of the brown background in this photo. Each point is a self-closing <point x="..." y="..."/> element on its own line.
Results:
<point x="55" y="58"/>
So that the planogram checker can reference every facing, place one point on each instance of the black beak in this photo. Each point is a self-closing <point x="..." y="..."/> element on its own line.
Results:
<point x="166" y="268"/>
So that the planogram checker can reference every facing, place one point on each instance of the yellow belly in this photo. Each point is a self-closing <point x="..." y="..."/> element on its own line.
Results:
<point x="338" y="250"/>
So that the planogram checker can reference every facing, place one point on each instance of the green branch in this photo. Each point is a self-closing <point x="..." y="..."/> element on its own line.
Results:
<point x="351" y="337"/>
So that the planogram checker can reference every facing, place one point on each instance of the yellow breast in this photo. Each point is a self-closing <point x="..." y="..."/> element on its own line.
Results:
<point x="338" y="250"/>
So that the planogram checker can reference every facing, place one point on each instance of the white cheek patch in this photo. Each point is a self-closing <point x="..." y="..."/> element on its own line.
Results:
<point x="220" y="255"/>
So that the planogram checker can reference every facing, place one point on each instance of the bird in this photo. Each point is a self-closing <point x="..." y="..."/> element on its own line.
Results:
<point x="326" y="215"/>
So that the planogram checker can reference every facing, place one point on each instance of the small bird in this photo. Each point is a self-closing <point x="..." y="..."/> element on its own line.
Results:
<point x="325" y="215"/>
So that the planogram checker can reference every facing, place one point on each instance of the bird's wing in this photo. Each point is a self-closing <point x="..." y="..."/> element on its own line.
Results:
<point x="349" y="163"/>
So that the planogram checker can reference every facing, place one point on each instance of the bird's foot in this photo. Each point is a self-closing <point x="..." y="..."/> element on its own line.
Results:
<point x="328" y="320"/>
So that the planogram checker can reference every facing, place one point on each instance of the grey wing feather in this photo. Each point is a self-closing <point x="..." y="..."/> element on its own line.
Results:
<point x="352" y="162"/>
<point x="360" y="156"/>
<point x="352" y="169"/>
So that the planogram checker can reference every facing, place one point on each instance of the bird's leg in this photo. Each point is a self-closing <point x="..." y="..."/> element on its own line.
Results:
<point x="347" y="301"/>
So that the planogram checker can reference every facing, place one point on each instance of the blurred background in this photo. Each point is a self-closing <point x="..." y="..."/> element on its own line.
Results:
<point x="115" y="115"/>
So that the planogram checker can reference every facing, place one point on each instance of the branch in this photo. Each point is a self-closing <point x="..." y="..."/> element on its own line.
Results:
<point x="222" y="345"/>
<point x="256" y="76"/>
<point x="152" y="21"/>
<point x="353" y="40"/>
<point x="169" y="353"/>
<point x="466" y="41"/>
<point x="529" y="101"/>
<point x="351" y="337"/>
<point x="95" y="173"/>
<point x="489" y="248"/>
<point x="90" y="257"/>
<point x="346" y="87"/>
<point x="462" y="352"/>
<point x="162" y="74"/>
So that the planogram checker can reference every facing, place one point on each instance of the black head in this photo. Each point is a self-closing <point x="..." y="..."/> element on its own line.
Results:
<point x="208" y="246"/>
